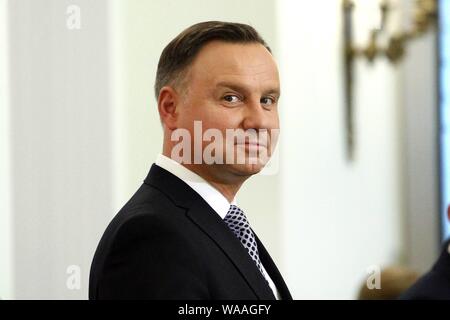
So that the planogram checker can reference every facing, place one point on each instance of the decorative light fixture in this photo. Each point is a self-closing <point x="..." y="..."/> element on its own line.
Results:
<point x="425" y="17"/>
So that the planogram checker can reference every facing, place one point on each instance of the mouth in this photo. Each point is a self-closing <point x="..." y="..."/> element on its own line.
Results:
<point x="252" y="144"/>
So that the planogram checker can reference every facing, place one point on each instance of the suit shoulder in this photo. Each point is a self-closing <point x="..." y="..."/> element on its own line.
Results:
<point x="146" y="207"/>
<point x="149" y="224"/>
<point x="434" y="285"/>
<point x="148" y="214"/>
<point x="147" y="221"/>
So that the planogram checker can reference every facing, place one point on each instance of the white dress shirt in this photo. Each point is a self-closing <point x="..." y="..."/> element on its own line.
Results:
<point x="211" y="195"/>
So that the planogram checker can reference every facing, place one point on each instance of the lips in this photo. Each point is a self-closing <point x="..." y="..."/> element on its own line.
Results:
<point x="252" y="144"/>
<point x="256" y="144"/>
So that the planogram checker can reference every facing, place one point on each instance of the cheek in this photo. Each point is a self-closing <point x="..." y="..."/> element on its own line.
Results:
<point x="190" y="113"/>
<point x="219" y="117"/>
<point x="212" y="114"/>
<point x="275" y="120"/>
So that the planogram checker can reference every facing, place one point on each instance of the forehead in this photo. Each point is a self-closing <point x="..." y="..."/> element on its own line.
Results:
<point x="218" y="61"/>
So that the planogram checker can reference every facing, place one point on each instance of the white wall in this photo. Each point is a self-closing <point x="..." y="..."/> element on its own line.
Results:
<point x="61" y="186"/>
<point x="338" y="217"/>
<point x="419" y="101"/>
<point x="6" y="246"/>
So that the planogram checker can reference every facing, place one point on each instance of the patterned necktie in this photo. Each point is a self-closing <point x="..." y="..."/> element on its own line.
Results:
<point x="237" y="222"/>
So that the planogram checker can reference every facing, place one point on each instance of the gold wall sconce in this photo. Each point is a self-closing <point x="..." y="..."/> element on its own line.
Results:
<point x="425" y="17"/>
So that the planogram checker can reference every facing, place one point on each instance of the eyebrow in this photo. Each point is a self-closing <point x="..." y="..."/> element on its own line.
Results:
<point x="243" y="88"/>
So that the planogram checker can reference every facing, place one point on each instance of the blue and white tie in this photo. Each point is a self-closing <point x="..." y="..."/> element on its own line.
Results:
<point x="237" y="222"/>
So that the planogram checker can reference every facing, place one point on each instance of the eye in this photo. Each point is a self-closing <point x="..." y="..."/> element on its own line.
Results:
<point x="267" y="100"/>
<point x="231" y="98"/>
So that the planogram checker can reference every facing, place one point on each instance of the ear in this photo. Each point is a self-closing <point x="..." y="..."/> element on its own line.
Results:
<point x="448" y="213"/>
<point x="167" y="107"/>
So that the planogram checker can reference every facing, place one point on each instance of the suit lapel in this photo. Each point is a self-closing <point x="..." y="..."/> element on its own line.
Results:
<point x="200" y="213"/>
<point x="207" y="220"/>
<point x="273" y="271"/>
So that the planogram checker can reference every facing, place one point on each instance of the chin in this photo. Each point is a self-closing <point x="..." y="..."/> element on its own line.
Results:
<point x="247" y="169"/>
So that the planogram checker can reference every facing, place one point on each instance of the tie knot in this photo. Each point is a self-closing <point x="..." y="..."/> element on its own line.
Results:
<point x="236" y="214"/>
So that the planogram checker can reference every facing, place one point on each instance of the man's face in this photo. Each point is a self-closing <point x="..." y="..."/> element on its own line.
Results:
<point x="233" y="86"/>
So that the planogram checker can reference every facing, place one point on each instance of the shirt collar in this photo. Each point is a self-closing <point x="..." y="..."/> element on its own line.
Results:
<point x="211" y="195"/>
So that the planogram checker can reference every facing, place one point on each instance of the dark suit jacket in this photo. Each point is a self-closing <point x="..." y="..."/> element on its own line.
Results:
<point x="168" y="243"/>
<point x="436" y="283"/>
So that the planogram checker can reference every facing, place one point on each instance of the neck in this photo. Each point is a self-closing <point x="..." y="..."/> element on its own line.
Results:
<point x="229" y="191"/>
<point x="227" y="184"/>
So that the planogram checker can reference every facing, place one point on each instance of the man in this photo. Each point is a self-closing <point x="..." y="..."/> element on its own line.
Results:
<point x="182" y="235"/>
<point x="435" y="284"/>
